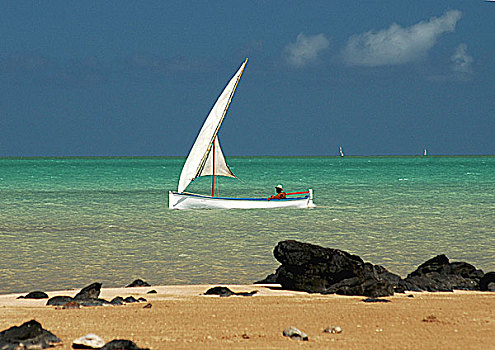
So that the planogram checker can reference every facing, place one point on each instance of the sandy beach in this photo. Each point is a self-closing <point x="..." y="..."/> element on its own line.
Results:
<point x="182" y="318"/>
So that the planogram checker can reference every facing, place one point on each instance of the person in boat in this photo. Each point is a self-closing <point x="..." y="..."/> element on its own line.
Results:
<point x="280" y="193"/>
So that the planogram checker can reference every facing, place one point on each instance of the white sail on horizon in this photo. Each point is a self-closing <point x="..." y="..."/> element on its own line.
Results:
<point x="198" y="160"/>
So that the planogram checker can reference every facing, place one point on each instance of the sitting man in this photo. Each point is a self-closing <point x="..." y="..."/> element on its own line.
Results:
<point x="280" y="193"/>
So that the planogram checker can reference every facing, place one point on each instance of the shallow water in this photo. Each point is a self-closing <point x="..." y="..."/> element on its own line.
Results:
<point x="67" y="222"/>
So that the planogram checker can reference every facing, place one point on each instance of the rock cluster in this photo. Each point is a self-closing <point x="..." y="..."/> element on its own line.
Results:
<point x="315" y="269"/>
<point x="89" y="296"/>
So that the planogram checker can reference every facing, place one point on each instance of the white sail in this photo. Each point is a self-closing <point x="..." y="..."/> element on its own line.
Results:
<point x="221" y="167"/>
<point x="197" y="158"/>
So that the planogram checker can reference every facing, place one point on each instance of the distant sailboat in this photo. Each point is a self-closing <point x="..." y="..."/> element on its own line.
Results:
<point x="425" y="153"/>
<point x="341" y="152"/>
<point x="206" y="159"/>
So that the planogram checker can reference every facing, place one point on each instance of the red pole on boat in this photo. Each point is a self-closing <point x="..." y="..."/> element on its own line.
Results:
<point x="213" y="173"/>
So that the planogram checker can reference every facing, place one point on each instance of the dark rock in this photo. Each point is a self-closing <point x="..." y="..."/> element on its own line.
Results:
<point x="59" y="300"/>
<point x="370" y="282"/>
<point x="121" y="344"/>
<point x="93" y="302"/>
<point x="147" y="306"/>
<point x="246" y="294"/>
<point x="270" y="279"/>
<point x="375" y="300"/>
<point x="117" y="301"/>
<point x="226" y="292"/>
<point x="29" y="335"/>
<point x="152" y="292"/>
<point x="130" y="299"/>
<point x="487" y="282"/>
<point x="221" y="291"/>
<point x="138" y="283"/>
<point x="142" y="299"/>
<point x="440" y="275"/>
<point x="314" y="269"/>
<point x="89" y="292"/>
<point x="34" y="295"/>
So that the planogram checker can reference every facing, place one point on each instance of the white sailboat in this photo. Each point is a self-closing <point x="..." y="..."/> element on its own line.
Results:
<point x="341" y="152"/>
<point x="206" y="159"/>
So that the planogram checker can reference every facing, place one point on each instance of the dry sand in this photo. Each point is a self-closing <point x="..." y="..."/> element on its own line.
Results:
<point x="181" y="318"/>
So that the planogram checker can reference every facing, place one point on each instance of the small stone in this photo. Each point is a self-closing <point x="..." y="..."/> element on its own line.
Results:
<point x="376" y="300"/>
<point x="34" y="295"/>
<point x="226" y="292"/>
<point x="142" y="299"/>
<point x="130" y="299"/>
<point x="152" y="292"/>
<point x="147" y="306"/>
<point x="294" y="333"/>
<point x="333" y="330"/>
<point x="430" y="318"/>
<point x="221" y="291"/>
<point x="89" y="341"/>
<point x="117" y="301"/>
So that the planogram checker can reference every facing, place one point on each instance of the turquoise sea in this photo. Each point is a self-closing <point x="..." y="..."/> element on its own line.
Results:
<point x="68" y="222"/>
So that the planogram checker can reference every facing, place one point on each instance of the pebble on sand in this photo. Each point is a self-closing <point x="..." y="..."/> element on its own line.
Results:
<point x="333" y="330"/>
<point x="294" y="333"/>
<point x="89" y="341"/>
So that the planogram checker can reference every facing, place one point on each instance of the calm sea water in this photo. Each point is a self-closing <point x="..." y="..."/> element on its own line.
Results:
<point x="68" y="222"/>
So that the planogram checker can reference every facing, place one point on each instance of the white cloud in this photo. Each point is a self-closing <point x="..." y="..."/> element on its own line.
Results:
<point x="461" y="61"/>
<point x="398" y="45"/>
<point x="305" y="49"/>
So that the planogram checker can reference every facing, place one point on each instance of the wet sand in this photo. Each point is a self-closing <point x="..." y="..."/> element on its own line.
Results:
<point x="182" y="318"/>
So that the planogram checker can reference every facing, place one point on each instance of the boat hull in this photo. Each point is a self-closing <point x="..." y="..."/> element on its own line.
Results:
<point x="183" y="200"/>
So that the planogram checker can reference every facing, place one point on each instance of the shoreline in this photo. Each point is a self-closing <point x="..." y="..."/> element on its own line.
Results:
<point x="182" y="318"/>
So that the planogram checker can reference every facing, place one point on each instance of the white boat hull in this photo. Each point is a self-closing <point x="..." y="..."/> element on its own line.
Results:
<point x="183" y="200"/>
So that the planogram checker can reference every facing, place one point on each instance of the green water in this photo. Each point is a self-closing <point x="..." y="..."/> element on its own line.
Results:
<point x="67" y="222"/>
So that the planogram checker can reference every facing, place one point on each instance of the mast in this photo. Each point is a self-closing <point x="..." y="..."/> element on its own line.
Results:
<point x="213" y="174"/>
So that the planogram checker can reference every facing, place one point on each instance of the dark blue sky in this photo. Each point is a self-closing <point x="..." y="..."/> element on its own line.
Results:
<point x="138" y="78"/>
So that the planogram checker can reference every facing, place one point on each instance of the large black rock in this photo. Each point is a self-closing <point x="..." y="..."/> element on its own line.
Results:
<point x="314" y="269"/>
<point x="440" y="275"/>
<point x="29" y="335"/>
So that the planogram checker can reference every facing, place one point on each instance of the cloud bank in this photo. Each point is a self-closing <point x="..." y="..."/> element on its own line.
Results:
<point x="306" y="49"/>
<point x="461" y="61"/>
<point x="397" y="45"/>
